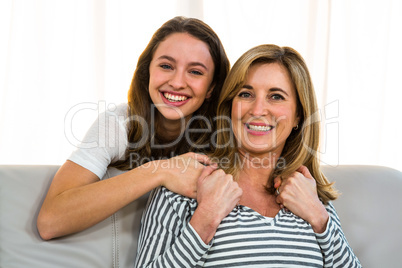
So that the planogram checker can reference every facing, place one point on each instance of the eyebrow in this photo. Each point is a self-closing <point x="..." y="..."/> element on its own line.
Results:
<point x="274" y="89"/>
<point x="195" y="63"/>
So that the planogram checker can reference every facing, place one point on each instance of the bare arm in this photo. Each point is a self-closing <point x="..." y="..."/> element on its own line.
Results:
<point x="77" y="199"/>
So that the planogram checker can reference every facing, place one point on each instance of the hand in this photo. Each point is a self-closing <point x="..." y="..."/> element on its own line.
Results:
<point x="180" y="174"/>
<point x="298" y="193"/>
<point x="217" y="195"/>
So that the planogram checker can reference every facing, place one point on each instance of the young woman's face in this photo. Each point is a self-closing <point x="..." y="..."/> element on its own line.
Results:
<point x="181" y="73"/>
<point x="264" y="110"/>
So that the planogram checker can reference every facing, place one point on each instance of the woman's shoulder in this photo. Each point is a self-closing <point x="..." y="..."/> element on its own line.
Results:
<point x="120" y="109"/>
<point x="162" y="198"/>
<point x="330" y="207"/>
<point x="173" y="198"/>
<point x="332" y="212"/>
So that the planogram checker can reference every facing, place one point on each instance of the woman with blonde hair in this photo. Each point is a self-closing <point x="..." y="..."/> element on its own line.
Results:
<point x="272" y="205"/>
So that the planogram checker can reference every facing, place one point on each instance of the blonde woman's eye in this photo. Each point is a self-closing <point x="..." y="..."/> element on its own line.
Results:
<point x="244" y="95"/>
<point x="277" y="97"/>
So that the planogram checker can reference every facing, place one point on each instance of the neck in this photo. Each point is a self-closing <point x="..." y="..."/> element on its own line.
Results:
<point x="258" y="168"/>
<point x="170" y="129"/>
<point x="253" y="179"/>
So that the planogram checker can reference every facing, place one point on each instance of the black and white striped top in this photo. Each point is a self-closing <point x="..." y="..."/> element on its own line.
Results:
<point x="243" y="239"/>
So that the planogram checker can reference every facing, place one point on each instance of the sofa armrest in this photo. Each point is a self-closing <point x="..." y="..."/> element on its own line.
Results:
<point x="110" y="243"/>
<point x="370" y="211"/>
<point x="126" y="228"/>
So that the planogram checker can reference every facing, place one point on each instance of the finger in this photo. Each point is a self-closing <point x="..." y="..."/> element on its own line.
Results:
<point x="277" y="191"/>
<point x="304" y="170"/>
<point x="278" y="200"/>
<point x="238" y="195"/>
<point x="239" y="192"/>
<point x="202" y="158"/>
<point x="277" y="182"/>
<point x="235" y="189"/>
<point x="206" y="171"/>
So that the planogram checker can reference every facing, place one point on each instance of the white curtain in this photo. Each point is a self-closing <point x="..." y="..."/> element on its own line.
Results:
<point x="63" y="62"/>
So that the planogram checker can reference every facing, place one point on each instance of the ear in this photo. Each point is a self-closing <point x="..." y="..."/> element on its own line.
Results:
<point x="209" y="92"/>
<point x="297" y="121"/>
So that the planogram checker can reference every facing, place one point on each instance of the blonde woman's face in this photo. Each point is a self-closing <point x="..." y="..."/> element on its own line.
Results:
<point x="264" y="110"/>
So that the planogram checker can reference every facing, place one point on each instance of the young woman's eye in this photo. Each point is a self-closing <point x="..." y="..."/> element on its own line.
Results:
<point x="277" y="97"/>
<point x="196" y="72"/>
<point x="165" y="66"/>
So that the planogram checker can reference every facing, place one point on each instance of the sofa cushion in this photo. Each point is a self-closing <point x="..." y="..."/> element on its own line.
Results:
<point x="111" y="243"/>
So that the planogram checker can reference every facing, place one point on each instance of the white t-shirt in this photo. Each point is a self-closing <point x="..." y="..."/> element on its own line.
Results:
<point x="105" y="142"/>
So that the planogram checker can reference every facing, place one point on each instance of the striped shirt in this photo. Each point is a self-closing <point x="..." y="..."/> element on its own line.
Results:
<point x="243" y="239"/>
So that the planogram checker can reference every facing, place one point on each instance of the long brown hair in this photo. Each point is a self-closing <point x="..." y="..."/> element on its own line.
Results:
<point x="140" y="103"/>
<point x="301" y="146"/>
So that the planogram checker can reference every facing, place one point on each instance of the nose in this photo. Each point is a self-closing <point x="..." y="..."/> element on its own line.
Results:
<point x="178" y="80"/>
<point x="259" y="107"/>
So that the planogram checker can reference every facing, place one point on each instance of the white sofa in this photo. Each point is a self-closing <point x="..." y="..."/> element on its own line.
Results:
<point x="369" y="208"/>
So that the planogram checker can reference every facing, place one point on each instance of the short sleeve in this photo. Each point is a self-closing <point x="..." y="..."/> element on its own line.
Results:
<point x="104" y="143"/>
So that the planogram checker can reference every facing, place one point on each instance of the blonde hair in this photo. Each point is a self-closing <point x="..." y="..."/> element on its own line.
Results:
<point x="301" y="147"/>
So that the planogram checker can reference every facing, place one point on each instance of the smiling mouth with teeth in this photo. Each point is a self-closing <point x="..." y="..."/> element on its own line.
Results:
<point x="263" y="128"/>
<point x="174" y="98"/>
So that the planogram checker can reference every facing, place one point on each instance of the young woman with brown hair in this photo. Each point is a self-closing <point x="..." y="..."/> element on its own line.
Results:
<point x="178" y="78"/>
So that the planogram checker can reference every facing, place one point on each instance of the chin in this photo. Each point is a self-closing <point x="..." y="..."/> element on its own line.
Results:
<point x="256" y="150"/>
<point x="171" y="114"/>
